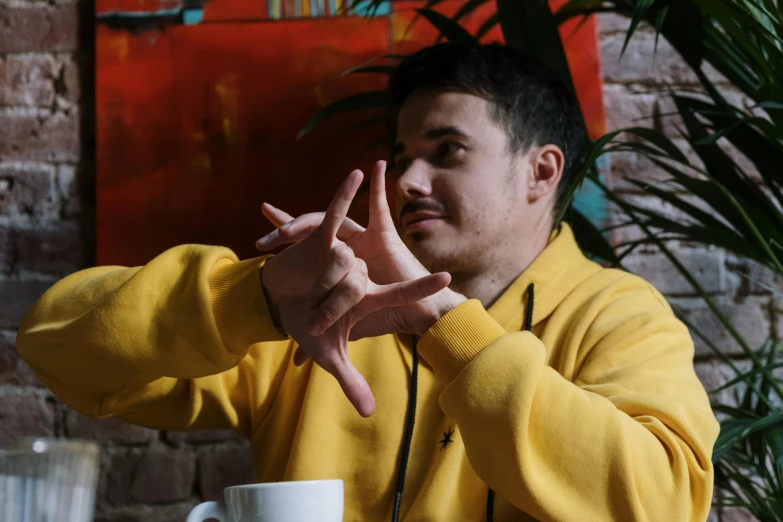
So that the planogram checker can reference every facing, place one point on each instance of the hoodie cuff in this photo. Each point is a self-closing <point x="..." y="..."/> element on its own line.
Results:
<point x="238" y="304"/>
<point x="457" y="338"/>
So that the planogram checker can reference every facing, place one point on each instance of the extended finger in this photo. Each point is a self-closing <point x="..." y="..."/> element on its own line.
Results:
<point x="306" y="223"/>
<point x="380" y="215"/>
<point x="275" y="215"/>
<point x="346" y="295"/>
<point x="354" y="386"/>
<point x="338" y="208"/>
<point x="278" y="218"/>
<point x="301" y="227"/>
<point x="399" y="294"/>
<point x="291" y="231"/>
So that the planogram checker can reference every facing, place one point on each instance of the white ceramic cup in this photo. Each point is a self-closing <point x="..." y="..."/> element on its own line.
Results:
<point x="306" y="501"/>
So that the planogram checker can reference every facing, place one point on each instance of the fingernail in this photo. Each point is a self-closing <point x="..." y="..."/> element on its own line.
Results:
<point x="285" y="225"/>
<point x="263" y="240"/>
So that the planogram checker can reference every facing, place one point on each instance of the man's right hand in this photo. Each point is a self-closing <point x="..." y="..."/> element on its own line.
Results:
<point x="381" y="247"/>
<point x="319" y="284"/>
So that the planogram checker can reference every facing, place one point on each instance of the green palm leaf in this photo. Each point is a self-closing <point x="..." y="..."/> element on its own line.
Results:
<point x="591" y="240"/>
<point x="530" y="27"/>
<point x="467" y="8"/>
<point x="487" y="26"/>
<point x="734" y="430"/>
<point x="448" y="28"/>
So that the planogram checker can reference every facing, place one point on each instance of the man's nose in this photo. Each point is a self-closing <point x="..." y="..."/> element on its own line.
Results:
<point x="415" y="182"/>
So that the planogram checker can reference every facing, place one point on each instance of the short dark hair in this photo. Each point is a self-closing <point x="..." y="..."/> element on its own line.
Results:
<point x="529" y="101"/>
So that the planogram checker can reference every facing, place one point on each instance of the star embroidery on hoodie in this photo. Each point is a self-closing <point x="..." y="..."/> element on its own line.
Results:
<point x="446" y="438"/>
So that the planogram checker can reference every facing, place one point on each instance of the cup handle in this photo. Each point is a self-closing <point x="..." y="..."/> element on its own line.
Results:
<point x="207" y="510"/>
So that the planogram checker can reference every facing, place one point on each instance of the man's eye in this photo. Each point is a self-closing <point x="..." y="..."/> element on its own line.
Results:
<point x="448" y="148"/>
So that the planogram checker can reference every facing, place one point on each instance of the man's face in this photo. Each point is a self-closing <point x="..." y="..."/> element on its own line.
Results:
<point x="461" y="192"/>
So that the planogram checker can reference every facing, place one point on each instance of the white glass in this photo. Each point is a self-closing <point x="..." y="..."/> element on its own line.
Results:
<point x="48" y="480"/>
<point x="306" y="501"/>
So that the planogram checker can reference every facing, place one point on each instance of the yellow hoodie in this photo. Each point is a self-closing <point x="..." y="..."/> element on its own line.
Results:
<point x="595" y="415"/>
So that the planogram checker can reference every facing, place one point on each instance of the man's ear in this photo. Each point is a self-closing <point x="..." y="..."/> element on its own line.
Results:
<point x="547" y="164"/>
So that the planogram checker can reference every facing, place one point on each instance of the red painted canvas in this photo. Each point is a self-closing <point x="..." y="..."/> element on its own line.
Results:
<point x="199" y="103"/>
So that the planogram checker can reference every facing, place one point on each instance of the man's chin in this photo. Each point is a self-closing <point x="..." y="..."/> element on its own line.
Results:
<point x="430" y="251"/>
<point x="420" y="241"/>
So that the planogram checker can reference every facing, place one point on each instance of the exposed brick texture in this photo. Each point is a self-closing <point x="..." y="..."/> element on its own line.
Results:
<point x="714" y="375"/>
<point x="750" y="277"/>
<point x="156" y="475"/>
<point x="143" y="513"/>
<point x="29" y="134"/>
<point x="627" y="107"/>
<point x="25" y="415"/>
<point x="28" y="188"/>
<point x="642" y="63"/>
<point x="17" y="297"/>
<point x="13" y="370"/>
<point x="106" y="431"/>
<point x="200" y="437"/>
<point x="48" y="29"/>
<point x="737" y="515"/>
<point x="50" y="250"/>
<point x="610" y="23"/>
<point x="749" y="316"/>
<point x="219" y="468"/>
<point x="68" y="187"/>
<point x="707" y="266"/>
<point x="28" y="80"/>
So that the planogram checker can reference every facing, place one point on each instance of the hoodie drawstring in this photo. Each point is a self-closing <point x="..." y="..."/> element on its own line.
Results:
<point x="411" y="418"/>
<point x="406" y="442"/>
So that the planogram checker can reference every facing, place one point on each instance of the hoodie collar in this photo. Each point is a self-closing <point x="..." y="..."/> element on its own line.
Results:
<point x="557" y="270"/>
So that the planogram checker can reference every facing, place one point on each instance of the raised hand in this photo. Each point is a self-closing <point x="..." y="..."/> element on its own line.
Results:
<point x="320" y="290"/>
<point x="388" y="259"/>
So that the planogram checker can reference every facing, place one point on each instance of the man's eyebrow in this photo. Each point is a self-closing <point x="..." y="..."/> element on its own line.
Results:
<point x="433" y="134"/>
<point x="450" y="130"/>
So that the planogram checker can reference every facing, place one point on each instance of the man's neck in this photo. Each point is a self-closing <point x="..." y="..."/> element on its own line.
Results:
<point x="487" y="286"/>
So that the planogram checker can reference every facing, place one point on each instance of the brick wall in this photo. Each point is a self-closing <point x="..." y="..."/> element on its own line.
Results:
<point x="46" y="232"/>
<point x="634" y="90"/>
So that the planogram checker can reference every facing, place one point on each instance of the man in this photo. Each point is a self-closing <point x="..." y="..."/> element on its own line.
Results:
<point x="539" y="386"/>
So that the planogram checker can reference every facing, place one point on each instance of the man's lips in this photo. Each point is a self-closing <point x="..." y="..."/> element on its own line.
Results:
<point x="421" y="219"/>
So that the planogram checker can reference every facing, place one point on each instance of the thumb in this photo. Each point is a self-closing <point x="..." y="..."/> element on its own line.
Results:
<point x="377" y="323"/>
<point x="380" y="214"/>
